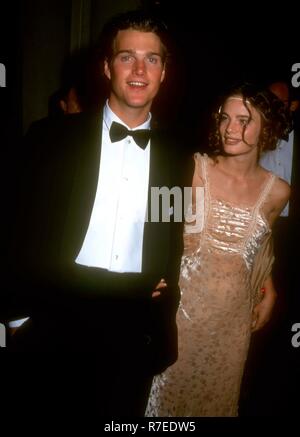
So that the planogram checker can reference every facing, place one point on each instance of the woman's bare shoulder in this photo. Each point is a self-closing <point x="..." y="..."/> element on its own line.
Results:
<point x="281" y="191"/>
<point x="279" y="196"/>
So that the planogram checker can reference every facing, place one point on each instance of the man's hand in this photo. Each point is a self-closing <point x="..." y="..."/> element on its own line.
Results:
<point x="160" y="286"/>
<point x="262" y="312"/>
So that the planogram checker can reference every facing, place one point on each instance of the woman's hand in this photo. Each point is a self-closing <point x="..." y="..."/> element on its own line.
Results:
<point x="160" y="286"/>
<point x="262" y="312"/>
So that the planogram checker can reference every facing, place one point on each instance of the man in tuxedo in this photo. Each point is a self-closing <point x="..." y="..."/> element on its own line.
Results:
<point x="89" y="261"/>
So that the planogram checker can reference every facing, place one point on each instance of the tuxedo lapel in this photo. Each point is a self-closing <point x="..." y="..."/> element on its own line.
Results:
<point x="85" y="156"/>
<point x="159" y="164"/>
<point x="156" y="234"/>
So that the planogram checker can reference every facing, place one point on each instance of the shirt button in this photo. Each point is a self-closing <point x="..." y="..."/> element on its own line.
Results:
<point x="116" y="256"/>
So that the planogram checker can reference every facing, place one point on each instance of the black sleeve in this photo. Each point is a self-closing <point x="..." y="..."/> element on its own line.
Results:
<point x="24" y="216"/>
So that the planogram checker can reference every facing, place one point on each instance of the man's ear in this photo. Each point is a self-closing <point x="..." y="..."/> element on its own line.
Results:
<point x="63" y="106"/>
<point x="163" y="75"/>
<point x="107" y="69"/>
<point x="294" y="105"/>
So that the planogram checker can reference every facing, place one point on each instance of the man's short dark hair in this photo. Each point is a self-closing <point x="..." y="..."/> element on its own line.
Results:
<point x="138" y="20"/>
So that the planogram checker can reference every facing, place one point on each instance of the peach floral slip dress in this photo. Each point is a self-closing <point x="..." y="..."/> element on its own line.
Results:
<point x="215" y="311"/>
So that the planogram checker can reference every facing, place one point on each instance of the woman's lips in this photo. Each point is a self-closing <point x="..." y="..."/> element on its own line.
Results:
<point x="232" y="141"/>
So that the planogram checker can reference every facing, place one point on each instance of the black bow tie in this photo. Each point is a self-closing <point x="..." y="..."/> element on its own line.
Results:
<point x="117" y="132"/>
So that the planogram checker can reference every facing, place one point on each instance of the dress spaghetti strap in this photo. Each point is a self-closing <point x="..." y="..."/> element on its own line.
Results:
<point x="265" y="191"/>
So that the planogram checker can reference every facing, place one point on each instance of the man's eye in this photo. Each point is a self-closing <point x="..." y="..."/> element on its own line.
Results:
<point x="126" y="58"/>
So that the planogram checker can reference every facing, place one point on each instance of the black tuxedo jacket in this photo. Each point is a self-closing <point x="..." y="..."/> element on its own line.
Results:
<point x="59" y="174"/>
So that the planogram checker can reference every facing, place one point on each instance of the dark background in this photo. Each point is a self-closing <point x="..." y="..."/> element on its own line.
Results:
<point x="214" y="45"/>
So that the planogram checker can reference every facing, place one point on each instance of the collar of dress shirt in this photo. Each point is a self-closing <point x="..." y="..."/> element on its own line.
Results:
<point x="109" y="116"/>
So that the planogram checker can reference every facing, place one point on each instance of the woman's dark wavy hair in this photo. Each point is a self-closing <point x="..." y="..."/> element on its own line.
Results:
<point x="276" y="119"/>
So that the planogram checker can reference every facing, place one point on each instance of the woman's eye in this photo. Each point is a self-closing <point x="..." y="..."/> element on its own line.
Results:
<point x="153" y="60"/>
<point x="244" y="121"/>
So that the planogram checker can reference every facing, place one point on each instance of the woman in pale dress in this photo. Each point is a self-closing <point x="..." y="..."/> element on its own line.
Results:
<point x="225" y="292"/>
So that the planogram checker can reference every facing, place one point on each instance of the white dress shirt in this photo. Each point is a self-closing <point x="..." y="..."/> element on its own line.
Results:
<point x="280" y="162"/>
<point x="114" y="239"/>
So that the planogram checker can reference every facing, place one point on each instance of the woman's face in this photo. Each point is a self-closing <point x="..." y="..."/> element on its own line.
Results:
<point x="239" y="127"/>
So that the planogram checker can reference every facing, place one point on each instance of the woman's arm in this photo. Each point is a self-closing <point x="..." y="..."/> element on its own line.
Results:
<point x="278" y="199"/>
<point x="263" y="310"/>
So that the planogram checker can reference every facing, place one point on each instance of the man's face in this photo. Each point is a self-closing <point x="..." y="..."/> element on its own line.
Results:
<point x="136" y="70"/>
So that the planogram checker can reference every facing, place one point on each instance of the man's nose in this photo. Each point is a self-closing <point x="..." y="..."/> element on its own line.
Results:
<point x="139" y="66"/>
